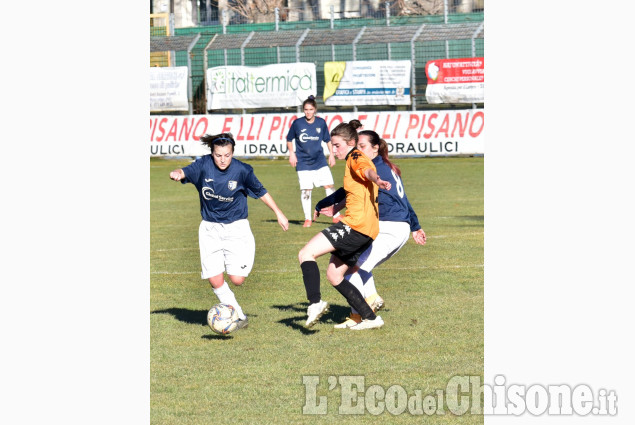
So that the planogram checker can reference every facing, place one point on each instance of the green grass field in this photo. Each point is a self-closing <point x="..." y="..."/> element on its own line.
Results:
<point x="433" y="313"/>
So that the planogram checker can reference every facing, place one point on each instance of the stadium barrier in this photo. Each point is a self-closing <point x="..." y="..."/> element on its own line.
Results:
<point x="414" y="133"/>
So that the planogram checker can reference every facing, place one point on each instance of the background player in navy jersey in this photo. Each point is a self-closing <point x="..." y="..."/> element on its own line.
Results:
<point x="397" y="220"/>
<point x="308" y="158"/>
<point x="225" y="240"/>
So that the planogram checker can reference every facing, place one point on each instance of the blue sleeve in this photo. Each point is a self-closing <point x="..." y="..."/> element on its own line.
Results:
<point x="291" y="133"/>
<point x="414" y="220"/>
<point x="192" y="172"/>
<point x="325" y="130"/>
<point x="334" y="198"/>
<point x="255" y="189"/>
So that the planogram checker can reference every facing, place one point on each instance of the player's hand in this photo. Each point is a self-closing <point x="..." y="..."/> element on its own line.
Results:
<point x="331" y="161"/>
<point x="383" y="184"/>
<point x="177" y="175"/>
<point x="316" y="214"/>
<point x="293" y="160"/>
<point x="419" y="236"/>
<point x="327" y="211"/>
<point x="283" y="222"/>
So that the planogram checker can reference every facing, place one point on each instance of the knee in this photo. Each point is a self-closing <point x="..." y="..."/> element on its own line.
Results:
<point x="306" y="193"/>
<point x="334" y="277"/>
<point x="303" y="256"/>
<point x="237" y="280"/>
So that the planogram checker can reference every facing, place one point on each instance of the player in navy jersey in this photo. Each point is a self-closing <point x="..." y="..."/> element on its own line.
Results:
<point x="226" y="243"/>
<point x="309" y="132"/>
<point x="397" y="220"/>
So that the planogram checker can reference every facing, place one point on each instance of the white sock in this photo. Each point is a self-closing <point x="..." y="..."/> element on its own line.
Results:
<point x="328" y="192"/>
<point x="369" y="287"/>
<point x="305" y="197"/>
<point x="226" y="295"/>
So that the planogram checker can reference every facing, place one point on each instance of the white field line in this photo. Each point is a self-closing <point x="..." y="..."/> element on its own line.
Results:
<point x="304" y="243"/>
<point x="474" y="266"/>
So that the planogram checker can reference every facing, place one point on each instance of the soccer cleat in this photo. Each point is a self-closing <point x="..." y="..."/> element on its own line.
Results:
<point x="337" y="219"/>
<point x="350" y="321"/>
<point x="375" y="302"/>
<point x="315" y="311"/>
<point x="378" y="322"/>
<point x="242" y="323"/>
<point x="307" y="223"/>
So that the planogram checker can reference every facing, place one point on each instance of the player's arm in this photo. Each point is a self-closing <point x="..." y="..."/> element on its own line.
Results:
<point x="177" y="175"/>
<point x="371" y="175"/>
<point x="330" y="205"/>
<point x="418" y="234"/>
<point x="282" y="219"/>
<point x="329" y="146"/>
<point x="293" y="159"/>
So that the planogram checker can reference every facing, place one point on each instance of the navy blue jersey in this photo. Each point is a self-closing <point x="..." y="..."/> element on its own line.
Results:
<point x="308" y="143"/>
<point x="223" y="194"/>
<point x="393" y="203"/>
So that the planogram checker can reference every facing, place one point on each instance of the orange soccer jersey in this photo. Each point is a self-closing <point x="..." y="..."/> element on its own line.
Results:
<point x="362" y="213"/>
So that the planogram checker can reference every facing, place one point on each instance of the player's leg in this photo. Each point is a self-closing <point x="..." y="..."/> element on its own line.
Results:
<point x="305" y="178"/>
<point x="335" y="273"/>
<point x="239" y="250"/>
<point x="315" y="248"/>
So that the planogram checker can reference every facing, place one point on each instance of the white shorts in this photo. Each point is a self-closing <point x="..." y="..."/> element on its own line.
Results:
<point x="317" y="178"/>
<point x="393" y="235"/>
<point x="226" y="247"/>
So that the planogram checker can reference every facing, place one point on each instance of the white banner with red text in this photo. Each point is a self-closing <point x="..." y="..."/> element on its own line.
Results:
<point x="455" y="81"/>
<point x="420" y="133"/>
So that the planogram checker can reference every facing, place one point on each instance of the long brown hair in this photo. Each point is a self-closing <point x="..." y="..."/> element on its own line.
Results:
<point x="375" y="140"/>
<point x="346" y="132"/>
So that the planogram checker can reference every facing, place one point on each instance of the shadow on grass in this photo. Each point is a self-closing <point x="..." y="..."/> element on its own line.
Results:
<point x="301" y="222"/>
<point x="185" y="315"/>
<point x="336" y="314"/>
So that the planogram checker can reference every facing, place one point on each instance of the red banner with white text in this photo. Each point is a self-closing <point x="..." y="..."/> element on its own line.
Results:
<point x="424" y="133"/>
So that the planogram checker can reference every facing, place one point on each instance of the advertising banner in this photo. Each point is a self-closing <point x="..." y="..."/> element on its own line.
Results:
<point x="367" y="83"/>
<point x="425" y="133"/>
<point x="455" y="81"/>
<point x="168" y="89"/>
<point x="279" y="85"/>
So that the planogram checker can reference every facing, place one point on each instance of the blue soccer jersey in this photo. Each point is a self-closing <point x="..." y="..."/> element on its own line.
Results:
<point x="393" y="203"/>
<point x="308" y="143"/>
<point x="223" y="193"/>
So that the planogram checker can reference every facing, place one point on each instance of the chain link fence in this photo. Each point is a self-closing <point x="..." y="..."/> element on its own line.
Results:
<point x="418" y="38"/>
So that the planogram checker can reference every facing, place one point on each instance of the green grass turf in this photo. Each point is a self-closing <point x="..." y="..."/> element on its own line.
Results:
<point x="433" y="313"/>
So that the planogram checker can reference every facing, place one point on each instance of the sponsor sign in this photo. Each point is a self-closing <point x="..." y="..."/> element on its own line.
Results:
<point x="278" y="85"/>
<point x="367" y="83"/>
<point x="168" y="89"/>
<point x="455" y="81"/>
<point x="425" y="133"/>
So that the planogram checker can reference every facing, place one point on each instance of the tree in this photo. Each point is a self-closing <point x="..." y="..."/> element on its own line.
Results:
<point x="256" y="11"/>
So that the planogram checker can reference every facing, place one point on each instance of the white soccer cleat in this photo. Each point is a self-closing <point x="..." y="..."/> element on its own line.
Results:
<point x="315" y="311"/>
<point x="350" y="321"/>
<point x="375" y="302"/>
<point x="378" y="322"/>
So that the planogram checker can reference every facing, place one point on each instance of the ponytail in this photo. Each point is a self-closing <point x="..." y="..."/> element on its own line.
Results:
<point x="375" y="140"/>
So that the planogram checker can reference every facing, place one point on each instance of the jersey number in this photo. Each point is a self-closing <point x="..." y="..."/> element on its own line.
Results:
<point x="398" y="183"/>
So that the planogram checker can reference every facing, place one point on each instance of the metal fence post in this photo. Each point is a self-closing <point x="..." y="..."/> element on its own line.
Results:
<point x="224" y="23"/>
<point x="413" y="61"/>
<point x="445" y="21"/>
<point x="388" y="24"/>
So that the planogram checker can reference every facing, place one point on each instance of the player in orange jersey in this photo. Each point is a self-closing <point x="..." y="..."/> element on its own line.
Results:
<point x="349" y="238"/>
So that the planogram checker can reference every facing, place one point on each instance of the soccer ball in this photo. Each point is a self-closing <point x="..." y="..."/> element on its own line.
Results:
<point x="222" y="318"/>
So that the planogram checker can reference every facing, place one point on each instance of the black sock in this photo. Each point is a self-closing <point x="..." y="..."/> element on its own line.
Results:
<point x="311" y="276"/>
<point x="355" y="299"/>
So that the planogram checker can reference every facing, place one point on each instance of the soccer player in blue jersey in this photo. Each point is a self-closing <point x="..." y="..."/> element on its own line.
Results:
<point x="308" y="158"/>
<point x="226" y="243"/>
<point x="397" y="220"/>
